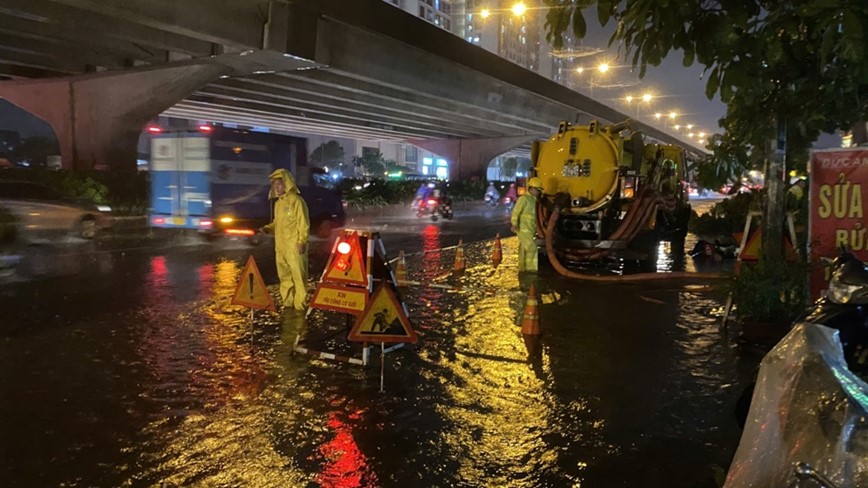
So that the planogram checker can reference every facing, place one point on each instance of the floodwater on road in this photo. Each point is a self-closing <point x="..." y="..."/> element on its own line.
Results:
<point x="142" y="374"/>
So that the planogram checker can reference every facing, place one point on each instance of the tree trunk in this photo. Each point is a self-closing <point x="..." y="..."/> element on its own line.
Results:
<point x="773" y="209"/>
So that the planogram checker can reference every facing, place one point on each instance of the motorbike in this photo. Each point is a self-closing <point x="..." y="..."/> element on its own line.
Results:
<point x="435" y="207"/>
<point x="845" y="308"/>
<point x="492" y="200"/>
<point x="809" y="399"/>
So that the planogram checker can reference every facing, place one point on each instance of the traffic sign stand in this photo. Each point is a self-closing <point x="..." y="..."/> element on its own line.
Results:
<point x="347" y="285"/>
<point x="749" y="250"/>
<point x="252" y="292"/>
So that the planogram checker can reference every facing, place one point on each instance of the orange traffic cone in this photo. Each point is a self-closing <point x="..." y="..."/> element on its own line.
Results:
<point x="459" y="258"/>
<point x="401" y="270"/>
<point x="530" y="320"/>
<point x="497" y="253"/>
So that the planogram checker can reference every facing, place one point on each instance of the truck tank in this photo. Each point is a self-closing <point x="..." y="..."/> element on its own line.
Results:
<point x="614" y="194"/>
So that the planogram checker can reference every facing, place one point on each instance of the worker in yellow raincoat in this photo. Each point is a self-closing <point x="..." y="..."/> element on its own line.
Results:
<point x="291" y="228"/>
<point x="524" y="224"/>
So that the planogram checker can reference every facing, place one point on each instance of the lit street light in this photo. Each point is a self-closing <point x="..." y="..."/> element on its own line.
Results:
<point x="646" y="98"/>
<point x="519" y="9"/>
<point x="485" y="13"/>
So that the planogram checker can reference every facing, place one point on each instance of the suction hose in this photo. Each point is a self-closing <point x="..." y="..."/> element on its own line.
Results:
<point x="553" y="259"/>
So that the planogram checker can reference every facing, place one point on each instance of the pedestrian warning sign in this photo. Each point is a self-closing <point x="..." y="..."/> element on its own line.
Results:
<point x="251" y="290"/>
<point x="383" y="320"/>
<point x="338" y="298"/>
<point x="346" y="264"/>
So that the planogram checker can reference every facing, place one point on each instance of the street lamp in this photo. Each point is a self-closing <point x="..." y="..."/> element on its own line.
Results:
<point x="519" y="9"/>
<point x="646" y="98"/>
<point x="602" y="68"/>
<point x="485" y="13"/>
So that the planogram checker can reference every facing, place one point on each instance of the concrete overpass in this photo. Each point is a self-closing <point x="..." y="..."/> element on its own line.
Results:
<point x="98" y="70"/>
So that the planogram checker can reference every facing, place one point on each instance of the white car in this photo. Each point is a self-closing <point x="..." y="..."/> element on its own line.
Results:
<point x="40" y="211"/>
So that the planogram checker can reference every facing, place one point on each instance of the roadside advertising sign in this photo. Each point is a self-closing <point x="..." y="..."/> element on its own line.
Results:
<point x="839" y="182"/>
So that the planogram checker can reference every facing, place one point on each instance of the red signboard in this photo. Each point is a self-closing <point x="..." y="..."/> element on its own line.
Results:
<point x="839" y="190"/>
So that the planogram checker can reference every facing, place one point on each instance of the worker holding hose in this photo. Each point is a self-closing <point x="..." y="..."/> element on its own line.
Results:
<point x="524" y="224"/>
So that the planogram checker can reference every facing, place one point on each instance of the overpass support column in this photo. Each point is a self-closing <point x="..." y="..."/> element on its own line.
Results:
<point x="98" y="118"/>
<point x="469" y="158"/>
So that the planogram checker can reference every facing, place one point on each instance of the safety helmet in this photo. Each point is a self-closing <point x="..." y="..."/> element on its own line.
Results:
<point x="534" y="182"/>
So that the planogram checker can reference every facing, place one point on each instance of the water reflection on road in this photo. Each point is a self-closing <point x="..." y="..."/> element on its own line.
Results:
<point x="152" y="378"/>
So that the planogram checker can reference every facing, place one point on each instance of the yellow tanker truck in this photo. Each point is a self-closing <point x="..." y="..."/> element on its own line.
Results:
<point x="608" y="193"/>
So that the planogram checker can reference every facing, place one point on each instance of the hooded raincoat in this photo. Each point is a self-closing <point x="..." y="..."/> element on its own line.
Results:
<point x="524" y="219"/>
<point x="291" y="228"/>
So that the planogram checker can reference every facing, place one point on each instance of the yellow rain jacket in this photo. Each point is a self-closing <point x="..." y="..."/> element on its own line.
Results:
<point x="291" y="228"/>
<point x="524" y="218"/>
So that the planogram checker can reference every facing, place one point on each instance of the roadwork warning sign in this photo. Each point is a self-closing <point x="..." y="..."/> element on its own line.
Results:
<point x="251" y="290"/>
<point x="383" y="320"/>
<point x="339" y="298"/>
<point x="346" y="264"/>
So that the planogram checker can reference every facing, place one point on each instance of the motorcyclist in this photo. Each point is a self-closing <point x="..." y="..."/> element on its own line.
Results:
<point x="510" y="198"/>
<point x="492" y="195"/>
<point x="511" y="193"/>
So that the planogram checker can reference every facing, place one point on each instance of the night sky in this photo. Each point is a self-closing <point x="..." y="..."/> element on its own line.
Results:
<point x="13" y="118"/>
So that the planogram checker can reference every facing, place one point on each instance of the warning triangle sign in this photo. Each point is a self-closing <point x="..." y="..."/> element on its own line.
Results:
<point x="251" y="290"/>
<point x="753" y="247"/>
<point x="346" y="264"/>
<point x="383" y="320"/>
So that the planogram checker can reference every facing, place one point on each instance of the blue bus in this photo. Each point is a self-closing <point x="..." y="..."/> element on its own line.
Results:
<point x="215" y="180"/>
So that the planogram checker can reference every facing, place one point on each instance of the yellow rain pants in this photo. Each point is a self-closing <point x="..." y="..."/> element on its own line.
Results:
<point x="524" y="218"/>
<point x="291" y="228"/>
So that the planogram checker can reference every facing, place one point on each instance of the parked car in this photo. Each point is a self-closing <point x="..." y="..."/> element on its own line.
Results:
<point x="40" y="211"/>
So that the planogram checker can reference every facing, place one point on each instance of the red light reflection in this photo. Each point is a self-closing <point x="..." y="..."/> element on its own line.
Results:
<point x="346" y="466"/>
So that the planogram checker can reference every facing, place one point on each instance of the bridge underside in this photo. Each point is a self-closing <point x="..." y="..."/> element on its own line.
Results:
<point x="364" y="69"/>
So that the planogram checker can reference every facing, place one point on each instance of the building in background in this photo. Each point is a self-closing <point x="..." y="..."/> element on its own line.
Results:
<point x="513" y="35"/>
<point x="437" y="12"/>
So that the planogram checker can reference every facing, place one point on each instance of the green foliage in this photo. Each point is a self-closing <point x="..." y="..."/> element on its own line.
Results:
<point x="373" y="163"/>
<point x="125" y="192"/>
<point x="771" y="293"/>
<point x="802" y="62"/>
<point x="508" y="168"/>
<point x="66" y="183"/>
<point x="329" y="153"/>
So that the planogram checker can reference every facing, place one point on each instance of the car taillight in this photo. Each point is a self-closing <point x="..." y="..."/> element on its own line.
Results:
<point x="240" y="232"/>
<point x="205" y="223"/>
<point x="158" y="220"/>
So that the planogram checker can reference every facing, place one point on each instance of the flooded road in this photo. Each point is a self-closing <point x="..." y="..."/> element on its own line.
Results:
<point x="130" y="368"/>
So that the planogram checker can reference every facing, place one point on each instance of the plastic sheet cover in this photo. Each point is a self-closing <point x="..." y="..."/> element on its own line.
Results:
<point x="807" y="408"/>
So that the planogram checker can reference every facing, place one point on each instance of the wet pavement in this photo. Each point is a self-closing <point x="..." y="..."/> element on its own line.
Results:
<point x="123" y="364"/>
